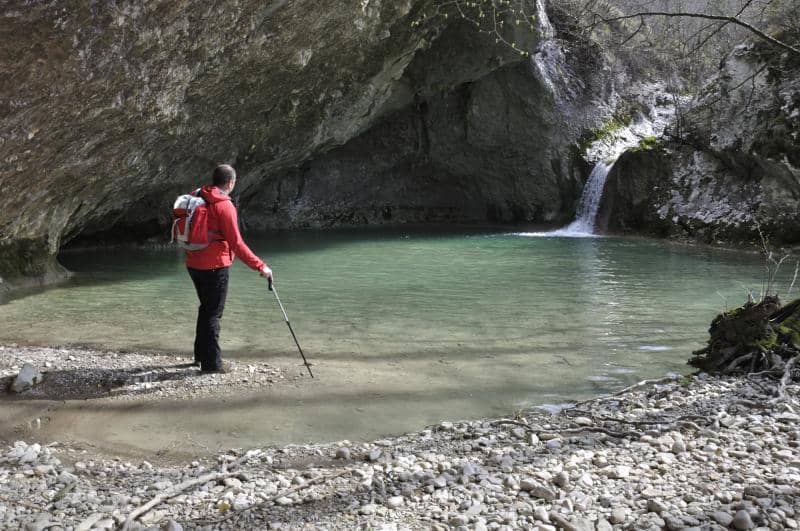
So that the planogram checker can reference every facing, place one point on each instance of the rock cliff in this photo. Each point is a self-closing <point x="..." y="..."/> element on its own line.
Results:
<point x="333" y="113"/>
<point x="729" y="164"/>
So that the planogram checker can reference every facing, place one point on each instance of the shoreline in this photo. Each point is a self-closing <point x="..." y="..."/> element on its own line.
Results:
<point x="684" y="452"/>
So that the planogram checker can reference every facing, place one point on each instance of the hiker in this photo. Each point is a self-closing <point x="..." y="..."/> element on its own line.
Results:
<point x="208" y="267"/>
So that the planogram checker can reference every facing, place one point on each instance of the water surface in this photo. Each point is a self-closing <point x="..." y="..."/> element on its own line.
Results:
<point x="405" y="328"/>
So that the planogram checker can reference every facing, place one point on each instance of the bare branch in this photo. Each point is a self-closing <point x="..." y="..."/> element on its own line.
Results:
<point x="727" y="19"/>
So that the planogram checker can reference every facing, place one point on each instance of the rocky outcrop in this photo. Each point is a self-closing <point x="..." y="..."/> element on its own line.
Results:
<point x="730" y="164"/>
<point x="333" y="112"/>
<point x="490" y="150"/>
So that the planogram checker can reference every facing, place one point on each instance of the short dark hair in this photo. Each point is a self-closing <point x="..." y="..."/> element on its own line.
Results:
<point x="223" y="174"/>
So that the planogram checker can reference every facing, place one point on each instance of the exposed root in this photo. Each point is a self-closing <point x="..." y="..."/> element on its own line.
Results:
<point x="787" y="377"/>
<point x="643" y="383"/>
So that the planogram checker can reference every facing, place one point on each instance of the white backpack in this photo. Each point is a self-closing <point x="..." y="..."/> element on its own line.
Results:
<point x="190" y="222"/>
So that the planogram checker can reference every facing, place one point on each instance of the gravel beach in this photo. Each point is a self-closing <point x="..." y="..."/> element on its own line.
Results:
<point x="695" y="452"/>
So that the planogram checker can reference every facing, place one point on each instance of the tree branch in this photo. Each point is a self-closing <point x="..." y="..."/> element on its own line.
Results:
<point x="727" y="19"/>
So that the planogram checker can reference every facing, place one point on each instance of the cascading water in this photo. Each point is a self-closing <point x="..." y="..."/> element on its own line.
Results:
<point x="589" y="204"/>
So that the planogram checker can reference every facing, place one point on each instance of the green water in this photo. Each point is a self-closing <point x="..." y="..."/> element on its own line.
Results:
<point x="407" y="328"/>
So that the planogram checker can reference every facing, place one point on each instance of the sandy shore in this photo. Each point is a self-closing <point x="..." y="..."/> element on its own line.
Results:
<point x="694" y="452"/>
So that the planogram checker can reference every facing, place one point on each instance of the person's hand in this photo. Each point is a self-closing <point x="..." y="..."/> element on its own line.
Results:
<point x="266" y="272"/>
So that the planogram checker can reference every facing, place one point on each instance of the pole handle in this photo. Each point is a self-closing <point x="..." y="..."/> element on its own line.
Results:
<point x="269" y="283"/>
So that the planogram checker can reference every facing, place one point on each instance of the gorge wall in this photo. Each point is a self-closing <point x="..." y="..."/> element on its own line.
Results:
<point x="729" y="165"/>
<point x="334" y="113"/>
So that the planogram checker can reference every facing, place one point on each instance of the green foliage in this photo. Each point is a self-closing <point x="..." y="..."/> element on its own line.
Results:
<point x="647" y="143"/>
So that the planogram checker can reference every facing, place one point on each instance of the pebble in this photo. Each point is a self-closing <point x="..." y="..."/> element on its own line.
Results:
<point x="656" y="506"/>
<point x="458" y="520"/>
<point x="536" y="489"/>
<point x="561" y="479"/>
<point x="461" y="475"/>
<point x="395" y="501"/>
<point x="722" y="518"/>
<point x="619" y="472"/>
<point x="742" y="521"/>
<point x="368" y="509"/>
<point x="343" y="453"/>
<point x="619" y="515"/>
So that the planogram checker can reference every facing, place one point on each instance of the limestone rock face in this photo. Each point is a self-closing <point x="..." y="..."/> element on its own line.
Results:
<point x="733" y="162"/>
<point x="333" y="113"/>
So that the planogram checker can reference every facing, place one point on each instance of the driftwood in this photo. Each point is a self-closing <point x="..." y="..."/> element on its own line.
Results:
<point x="174" y="491"/>
<point x="223" y="473"/>
<point x="272" y="499"/>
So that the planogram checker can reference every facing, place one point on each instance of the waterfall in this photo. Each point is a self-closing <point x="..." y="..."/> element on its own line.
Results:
<point x="589" y="204"/>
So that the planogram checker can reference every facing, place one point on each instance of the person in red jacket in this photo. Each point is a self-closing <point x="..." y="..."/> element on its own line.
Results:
<point x="208" y="267"/>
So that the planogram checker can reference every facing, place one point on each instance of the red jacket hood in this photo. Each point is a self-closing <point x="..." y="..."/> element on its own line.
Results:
<point x="212" y="195"/>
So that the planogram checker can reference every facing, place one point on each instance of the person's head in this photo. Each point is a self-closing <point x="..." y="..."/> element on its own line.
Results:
<point x="224" y="177"/>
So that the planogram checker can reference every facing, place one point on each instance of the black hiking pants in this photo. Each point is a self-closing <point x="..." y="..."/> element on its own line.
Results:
<point x="212" y="288"/>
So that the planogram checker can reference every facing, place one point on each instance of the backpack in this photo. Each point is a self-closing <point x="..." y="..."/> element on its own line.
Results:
<point x="190" y="222"/>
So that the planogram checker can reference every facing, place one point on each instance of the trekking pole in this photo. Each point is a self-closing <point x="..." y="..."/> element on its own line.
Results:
<point x="286" y="317"/>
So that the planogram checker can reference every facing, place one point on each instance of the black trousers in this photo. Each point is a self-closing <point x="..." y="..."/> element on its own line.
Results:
<point x="212" y="288"/>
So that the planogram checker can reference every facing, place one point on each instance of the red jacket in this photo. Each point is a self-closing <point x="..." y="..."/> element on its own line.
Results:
<point x="227" y="242"/>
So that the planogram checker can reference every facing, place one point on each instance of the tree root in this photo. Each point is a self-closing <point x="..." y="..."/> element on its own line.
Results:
<point x="787" y="377"/>
<point x="570" y="431"/>
<point x="623" y="391"/>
